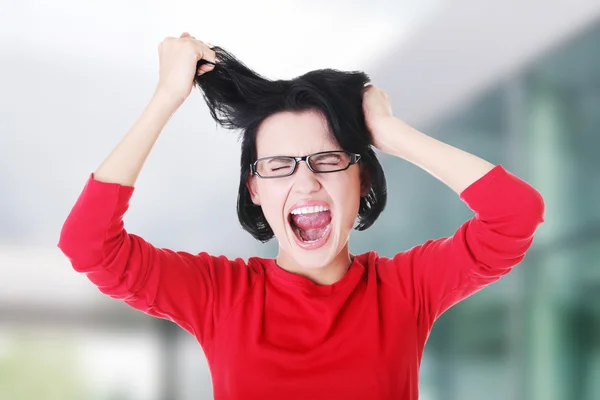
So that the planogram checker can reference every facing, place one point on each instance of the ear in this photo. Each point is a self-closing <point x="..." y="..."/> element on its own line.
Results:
<point x="365" y="180"/>
<point x="251" y="184"/>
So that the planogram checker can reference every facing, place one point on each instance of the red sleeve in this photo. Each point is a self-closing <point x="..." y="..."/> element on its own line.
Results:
<point x="439" y="273"/>
<point x="190" y="290"/>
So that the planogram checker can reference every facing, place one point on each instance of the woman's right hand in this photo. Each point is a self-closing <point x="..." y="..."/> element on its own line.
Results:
<point x="178" y="58"/>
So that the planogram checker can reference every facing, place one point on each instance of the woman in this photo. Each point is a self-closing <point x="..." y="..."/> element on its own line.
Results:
<point x="316" y="322"/>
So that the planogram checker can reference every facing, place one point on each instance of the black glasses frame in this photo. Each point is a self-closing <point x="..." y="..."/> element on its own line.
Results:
<point x="354" y="158"/>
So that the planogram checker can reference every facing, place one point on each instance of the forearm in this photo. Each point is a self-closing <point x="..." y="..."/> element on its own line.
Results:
<point x="456" y="168"/>
<point x="124" y="163"/>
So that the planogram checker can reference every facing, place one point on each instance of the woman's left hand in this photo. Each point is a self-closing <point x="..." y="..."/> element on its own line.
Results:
<point x="456" y="168"/>
<point x="380" y="120"/>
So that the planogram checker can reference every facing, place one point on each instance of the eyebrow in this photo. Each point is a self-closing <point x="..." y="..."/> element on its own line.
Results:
<point x="274" y="158"/>
<point x="303" y="155"/>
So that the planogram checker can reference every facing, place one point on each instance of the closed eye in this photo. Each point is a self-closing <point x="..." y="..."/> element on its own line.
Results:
<point x="330" y="159"/>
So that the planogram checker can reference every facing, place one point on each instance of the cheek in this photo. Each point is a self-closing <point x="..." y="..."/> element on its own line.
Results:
<point x="272" y="198"/>
<point x="346" y="195"/>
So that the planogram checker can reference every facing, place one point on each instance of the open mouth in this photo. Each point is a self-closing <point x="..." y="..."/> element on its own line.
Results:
<point x="311" y="225"/>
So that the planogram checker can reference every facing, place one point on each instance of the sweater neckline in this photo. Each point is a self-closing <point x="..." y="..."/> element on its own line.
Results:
<point x="350" y="278"/>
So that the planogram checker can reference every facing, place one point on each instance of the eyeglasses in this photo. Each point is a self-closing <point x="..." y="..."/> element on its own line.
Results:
<point x="319" y="163"/>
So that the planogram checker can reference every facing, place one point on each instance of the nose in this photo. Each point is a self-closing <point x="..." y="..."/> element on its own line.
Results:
<point x="305" y="181"/>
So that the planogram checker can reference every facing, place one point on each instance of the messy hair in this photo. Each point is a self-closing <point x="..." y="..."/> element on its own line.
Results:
<point x="240" y="99"/>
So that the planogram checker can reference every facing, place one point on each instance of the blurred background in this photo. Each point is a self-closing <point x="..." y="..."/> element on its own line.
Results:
<point x="515" y="82"/>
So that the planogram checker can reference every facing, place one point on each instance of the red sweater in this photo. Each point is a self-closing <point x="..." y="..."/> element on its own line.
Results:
<point x="270" y="334"/>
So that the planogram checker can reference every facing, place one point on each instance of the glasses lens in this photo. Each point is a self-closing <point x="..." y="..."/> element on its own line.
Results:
<point x="329" y="162"/>
<point x="275" y="166"/>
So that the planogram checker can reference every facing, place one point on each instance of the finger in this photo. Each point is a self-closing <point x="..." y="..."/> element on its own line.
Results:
<point x="204" y="68"/>
<point x="186" y="35"/>
<point x="207" y="67"/>
<point x="207" y="53"/>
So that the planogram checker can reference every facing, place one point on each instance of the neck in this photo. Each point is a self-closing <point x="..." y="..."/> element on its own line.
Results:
<point x="326" y="275"/>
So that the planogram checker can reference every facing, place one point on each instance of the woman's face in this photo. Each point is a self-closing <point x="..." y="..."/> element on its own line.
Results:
<point x="310" y="213"/>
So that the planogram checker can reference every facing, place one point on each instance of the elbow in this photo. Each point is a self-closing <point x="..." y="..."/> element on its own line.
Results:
<point x="532" y="213"/>
<point x="67" y="239"/>
<point x="500" y="244"/>
<point x="78" y="246"/>
<point x="541" y="207"/>
<point x="505" y="242"/>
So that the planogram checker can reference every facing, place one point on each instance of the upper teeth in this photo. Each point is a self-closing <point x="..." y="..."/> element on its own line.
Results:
<point x="309" y="210"/>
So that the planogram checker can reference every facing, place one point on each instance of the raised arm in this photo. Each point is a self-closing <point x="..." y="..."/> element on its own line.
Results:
<point x="438" y="274"/>
<point x="191" y="290"/>
<point x="178" y="58"/>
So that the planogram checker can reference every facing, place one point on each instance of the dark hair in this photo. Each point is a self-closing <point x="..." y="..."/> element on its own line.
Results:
<point x="239" y="98"/>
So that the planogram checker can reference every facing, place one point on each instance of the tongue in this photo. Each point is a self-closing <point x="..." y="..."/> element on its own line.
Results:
<point x="310" y="227"/>
<point x="312" y="221"/>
